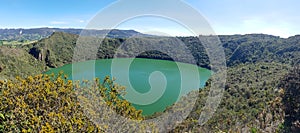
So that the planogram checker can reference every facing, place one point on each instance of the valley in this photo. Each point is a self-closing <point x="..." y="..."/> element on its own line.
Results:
<point x="256" y="94"/>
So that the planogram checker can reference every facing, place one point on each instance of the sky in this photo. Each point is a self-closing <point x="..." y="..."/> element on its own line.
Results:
<point x="226" y="17"/>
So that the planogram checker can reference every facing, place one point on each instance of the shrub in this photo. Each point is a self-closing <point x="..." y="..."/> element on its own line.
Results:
<point x="48" y="103"/>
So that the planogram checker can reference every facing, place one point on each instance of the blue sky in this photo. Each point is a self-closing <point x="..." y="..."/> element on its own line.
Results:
<point x="276" y="17"/>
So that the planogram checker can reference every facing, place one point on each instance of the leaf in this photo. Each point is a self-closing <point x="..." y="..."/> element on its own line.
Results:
<point x="2" y="116"/>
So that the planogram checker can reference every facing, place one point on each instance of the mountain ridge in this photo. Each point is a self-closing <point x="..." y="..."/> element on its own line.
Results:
<point x="43" y="32"/>
<point x="238" y="49"/>
<point x="40" y="33"/>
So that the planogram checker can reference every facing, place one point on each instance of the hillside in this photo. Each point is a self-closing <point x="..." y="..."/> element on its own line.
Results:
<point x="291" y="101"/>
<point x="253" y="48"/>
<point x="252" y="101"/>
<point x="261" y="48"/>
<point x="17" y="62"/>
<point x="55" y="51"/>
<point x="58" y="49"/>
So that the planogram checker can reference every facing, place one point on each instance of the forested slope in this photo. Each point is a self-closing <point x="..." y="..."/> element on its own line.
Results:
<point x="239" y="49"/>
<point x="261" y="90"/>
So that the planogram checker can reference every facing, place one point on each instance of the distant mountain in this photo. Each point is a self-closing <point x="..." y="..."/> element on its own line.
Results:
<point x="40" y="33"/>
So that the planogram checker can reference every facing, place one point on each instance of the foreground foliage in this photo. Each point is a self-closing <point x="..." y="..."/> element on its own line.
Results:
<point x="51" y="104"/>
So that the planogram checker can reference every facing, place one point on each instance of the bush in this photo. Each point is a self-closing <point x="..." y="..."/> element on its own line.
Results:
<point x="48" y="103"/>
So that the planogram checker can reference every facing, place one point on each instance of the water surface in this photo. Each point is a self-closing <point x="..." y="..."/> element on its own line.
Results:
<point x="152" y="85"/>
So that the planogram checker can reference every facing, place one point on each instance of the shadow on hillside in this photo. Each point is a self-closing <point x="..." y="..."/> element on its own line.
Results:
<point x="291" y="100"/>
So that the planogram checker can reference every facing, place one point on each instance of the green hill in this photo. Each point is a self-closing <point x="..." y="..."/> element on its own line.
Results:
<point x="252" y="100"/>
<point x="17" y="62"/>
<point x="58" y="49"/>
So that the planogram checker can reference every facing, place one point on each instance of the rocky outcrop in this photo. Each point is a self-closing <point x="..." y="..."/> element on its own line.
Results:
<point x="36" y="53"/>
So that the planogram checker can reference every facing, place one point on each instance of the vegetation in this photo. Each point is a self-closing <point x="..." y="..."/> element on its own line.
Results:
<point x="49" y="103"/>
<point x="251" y="101"/>
<point x="291" y="85"/>
<point x="17" y="62"/>
<point x="15" y="43"/>
<point x="261" y="93"/>
<point x="58" y="49"/>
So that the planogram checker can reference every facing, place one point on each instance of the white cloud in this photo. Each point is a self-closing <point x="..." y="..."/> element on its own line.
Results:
<point x="81" y="21"/>
<point x="58" y="22"/>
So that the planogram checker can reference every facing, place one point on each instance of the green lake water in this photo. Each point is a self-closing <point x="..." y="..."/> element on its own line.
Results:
<point x="152" y="85"/>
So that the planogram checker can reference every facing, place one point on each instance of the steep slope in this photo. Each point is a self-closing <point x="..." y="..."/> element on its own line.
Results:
<point x="291" y="85"/>
<point x="251" y="101"/>
<point x="17" y="62"/>
<point x="58" y="49"/>
<point x="261" y="48"/>
<point x="290" y="50"/>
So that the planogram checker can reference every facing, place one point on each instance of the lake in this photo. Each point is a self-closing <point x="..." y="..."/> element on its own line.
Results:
<point x="152" y="85"/>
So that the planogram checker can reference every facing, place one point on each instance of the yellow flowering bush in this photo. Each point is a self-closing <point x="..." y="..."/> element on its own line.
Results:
<point x="49" y="103"/>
